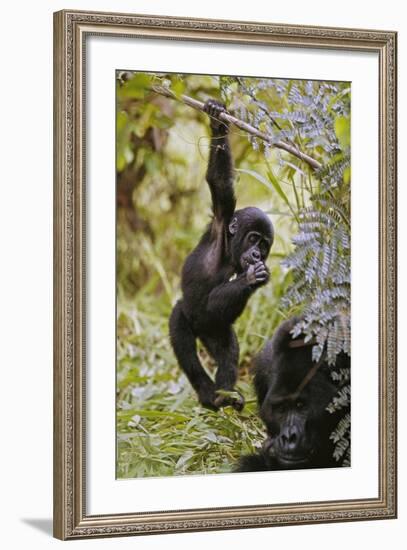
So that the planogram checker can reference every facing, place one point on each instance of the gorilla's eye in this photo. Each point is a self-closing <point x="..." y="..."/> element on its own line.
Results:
<point x="263" y="248"/>
<point x="252" y="238"/>
<point x="280" y="406"/>
<point x="299" y="404"/>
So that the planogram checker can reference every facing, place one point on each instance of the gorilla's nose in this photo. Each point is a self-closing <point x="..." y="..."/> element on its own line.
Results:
<point x="256" y="255"/>
<point x="289" y="438"/>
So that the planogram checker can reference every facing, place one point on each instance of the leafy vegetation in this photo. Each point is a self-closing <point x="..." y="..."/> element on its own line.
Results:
<point x="163" y="205"/>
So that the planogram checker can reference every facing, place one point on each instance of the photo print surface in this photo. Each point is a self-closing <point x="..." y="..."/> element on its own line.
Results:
<point x="233" y="274"/>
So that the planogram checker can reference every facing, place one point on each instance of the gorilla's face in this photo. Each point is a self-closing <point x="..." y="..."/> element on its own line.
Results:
<point x="255" y="248"/>
<point x="299" y="425"/>
<point x="252" y="237"/>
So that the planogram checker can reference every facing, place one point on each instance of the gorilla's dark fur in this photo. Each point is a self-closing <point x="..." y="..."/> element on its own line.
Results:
<point x="219" y="277"/>
<point x="293" y="393"/>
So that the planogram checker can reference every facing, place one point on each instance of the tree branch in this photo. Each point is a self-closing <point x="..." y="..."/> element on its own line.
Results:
<point x="226" y="117"/>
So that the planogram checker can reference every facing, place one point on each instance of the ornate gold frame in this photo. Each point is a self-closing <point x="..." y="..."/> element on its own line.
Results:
<point x="70" y="518"/>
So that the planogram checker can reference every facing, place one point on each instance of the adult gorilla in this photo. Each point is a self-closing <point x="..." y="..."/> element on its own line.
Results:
<point x="293" y="393"/>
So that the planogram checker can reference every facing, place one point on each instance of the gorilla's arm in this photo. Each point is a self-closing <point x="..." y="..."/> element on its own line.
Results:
<point x="220" y="167"/>
<point x="228" y="300"/>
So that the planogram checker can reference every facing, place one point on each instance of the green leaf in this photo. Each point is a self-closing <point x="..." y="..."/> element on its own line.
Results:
<point x="156" y="414"/>
<point x="272" y="184"/>
<point x="255" y="175"/>
<point x="346" y="175"/>
<point x="278" y="188"/>
<point x="228" y="393"/>
<point x="184" y="459"/>
<point x="342" y="131"/>
<point x="178" y="87"/>
<point x="210" y="436"/>
<point x="136" y="88"/>
<point x="121" y="121"/>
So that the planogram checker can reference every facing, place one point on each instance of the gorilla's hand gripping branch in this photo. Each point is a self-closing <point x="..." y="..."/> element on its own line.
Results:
<point x="226" y="117"/>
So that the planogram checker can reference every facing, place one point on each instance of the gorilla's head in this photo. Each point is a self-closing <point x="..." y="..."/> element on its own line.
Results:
<point x="293" y="394"/>
<point x="252" y="236"/>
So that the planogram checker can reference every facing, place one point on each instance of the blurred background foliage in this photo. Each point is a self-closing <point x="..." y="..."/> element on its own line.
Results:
<point x="163" y="206"/>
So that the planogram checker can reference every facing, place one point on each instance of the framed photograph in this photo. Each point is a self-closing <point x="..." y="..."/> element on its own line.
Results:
<point x="225" y="274"/>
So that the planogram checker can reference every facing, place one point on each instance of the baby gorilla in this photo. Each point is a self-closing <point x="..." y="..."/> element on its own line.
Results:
<point x="293" y="392"/>
<point x="219" y="277"/>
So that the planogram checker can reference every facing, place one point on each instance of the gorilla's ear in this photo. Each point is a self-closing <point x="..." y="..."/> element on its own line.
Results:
<point x="233" y="226"/>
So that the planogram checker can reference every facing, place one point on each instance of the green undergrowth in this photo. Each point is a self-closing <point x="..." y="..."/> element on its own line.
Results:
<point x="161" y="428"/>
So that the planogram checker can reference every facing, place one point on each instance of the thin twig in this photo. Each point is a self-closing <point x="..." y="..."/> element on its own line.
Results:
<point x="226" y="117"/>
